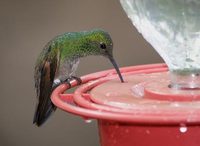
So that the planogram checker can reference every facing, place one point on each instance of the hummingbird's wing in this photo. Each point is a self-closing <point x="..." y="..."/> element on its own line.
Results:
<point x="44" y="77"/>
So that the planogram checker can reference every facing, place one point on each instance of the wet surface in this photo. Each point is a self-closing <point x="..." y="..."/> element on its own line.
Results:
<point x="149" y="94"/>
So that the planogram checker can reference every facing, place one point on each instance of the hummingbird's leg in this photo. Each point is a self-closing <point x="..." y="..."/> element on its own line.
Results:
<point x="58" y="82"/>
<point x="68" y="80"/>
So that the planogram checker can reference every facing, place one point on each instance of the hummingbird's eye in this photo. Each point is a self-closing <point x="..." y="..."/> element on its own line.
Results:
<point x="102" y="45"/>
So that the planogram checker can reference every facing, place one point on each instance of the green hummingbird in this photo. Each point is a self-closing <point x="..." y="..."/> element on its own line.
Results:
<point x="59" y="60"/>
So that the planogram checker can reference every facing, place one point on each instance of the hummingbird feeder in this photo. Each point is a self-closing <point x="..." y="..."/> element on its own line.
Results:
<point x="158" y="104"/>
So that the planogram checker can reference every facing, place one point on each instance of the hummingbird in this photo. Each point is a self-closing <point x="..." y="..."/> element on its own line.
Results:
<point x="59" y="60"/>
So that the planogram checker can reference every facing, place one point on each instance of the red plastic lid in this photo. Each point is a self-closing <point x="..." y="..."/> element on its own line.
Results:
<point x="144" y="98"/>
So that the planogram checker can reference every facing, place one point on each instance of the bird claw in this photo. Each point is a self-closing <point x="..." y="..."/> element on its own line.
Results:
<point x="68" y="80"/>
<point x="79" y="81"/>
<point x="58" y="82"/>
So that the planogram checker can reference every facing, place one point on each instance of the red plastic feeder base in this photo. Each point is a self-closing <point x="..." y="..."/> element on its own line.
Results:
<point x="142" y="111"/>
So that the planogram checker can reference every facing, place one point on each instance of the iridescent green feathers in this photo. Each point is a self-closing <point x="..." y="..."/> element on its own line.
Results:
<point x="81" y="44"/>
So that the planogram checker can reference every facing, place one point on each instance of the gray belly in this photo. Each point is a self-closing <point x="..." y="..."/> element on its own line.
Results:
<point x="66" y="69"/>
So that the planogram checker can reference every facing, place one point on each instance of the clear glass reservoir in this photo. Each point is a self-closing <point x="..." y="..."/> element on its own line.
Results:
<point x="172" y="27"/>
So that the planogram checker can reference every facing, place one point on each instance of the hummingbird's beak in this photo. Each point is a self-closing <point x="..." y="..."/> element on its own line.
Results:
<point x="112" y="60"/>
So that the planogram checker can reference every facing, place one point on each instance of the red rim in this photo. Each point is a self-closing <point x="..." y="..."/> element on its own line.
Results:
<point x="80" y="103"/>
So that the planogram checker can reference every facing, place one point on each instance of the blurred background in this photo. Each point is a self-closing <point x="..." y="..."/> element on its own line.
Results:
<point x="25" y="27"/>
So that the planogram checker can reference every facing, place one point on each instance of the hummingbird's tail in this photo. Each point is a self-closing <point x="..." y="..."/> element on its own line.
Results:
<point x="41" y="115"/>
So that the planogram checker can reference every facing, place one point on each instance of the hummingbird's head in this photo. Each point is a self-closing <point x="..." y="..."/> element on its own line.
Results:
<point x="101" y="44"/>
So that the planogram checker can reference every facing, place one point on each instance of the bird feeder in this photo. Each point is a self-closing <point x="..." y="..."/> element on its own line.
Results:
<point x="142" y="111"/>
<point x="159" y="104"/>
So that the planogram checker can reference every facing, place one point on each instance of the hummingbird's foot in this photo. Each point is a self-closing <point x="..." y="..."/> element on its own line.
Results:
<point x="58" y="82"/>
<point x="79" y="81"/>
<point x="68" y="80"/>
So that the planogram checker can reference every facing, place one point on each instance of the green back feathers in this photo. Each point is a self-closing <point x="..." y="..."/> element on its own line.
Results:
<point x="80" y="44"/>
<point x="71" y="45"/>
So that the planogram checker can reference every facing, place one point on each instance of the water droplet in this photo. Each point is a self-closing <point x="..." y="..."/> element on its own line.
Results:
<point x="138" y="90"/>
<point x="147" y="132"/>
<point x="88" y="120"/>
<point x="183" y="129"/>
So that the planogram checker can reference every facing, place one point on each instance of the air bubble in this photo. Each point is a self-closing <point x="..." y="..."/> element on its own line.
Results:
<point x="183" y="129"/>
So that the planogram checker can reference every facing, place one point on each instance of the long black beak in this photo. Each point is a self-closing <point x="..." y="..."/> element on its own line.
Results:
<point x="112" y="60"/>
